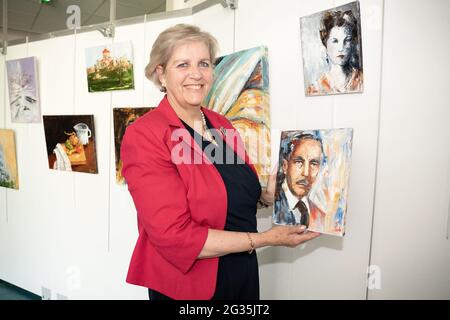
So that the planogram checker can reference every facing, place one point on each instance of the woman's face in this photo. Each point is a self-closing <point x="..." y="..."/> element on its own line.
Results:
<point x="188" y="74"/>
<point x="339" y="45"/>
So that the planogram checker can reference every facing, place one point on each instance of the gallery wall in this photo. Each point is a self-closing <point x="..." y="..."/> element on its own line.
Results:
<point x="74" y="233"/>
<point x="411" y="246"/>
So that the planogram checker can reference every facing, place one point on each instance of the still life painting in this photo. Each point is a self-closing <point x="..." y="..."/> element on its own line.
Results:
<point x="70" y="141"/>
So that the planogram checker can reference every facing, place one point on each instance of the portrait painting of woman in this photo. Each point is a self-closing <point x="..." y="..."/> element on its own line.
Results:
<point x="331" y="45"/>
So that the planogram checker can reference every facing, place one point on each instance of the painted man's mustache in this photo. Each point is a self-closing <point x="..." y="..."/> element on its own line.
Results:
<point x="302" y="182"/>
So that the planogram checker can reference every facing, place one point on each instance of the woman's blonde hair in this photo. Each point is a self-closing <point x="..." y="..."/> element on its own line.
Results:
<point x="169" y="40"/>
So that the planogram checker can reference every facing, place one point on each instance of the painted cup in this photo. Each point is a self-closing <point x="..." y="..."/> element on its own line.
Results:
<point x="83" y="133"/>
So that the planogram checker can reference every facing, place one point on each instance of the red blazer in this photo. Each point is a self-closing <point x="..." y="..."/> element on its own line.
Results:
<point x="176" y="203"/>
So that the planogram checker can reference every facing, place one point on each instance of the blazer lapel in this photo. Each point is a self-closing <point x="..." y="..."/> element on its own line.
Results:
<point x="176" y="124"/>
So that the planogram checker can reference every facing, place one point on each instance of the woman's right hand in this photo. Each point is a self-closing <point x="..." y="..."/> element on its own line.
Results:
<point x="288" y="236"/>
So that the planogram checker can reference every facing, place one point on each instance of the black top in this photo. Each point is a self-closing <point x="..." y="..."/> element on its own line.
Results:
<point x="241" y="183"/>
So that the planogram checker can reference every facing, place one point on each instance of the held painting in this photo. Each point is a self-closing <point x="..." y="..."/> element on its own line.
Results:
<point x="110" y="67"/>
<point x="8" y="162"/>
<point x="123" y="117"/>
<point x="332" y="51"/>
<point x="23" y="90"/>
<point x="70" y="141"/>
<point x="240" y="92"/>
<point x="312" y="179"/>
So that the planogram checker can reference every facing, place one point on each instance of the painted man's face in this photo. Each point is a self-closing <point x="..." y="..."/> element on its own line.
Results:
<point x="303" y="166"/>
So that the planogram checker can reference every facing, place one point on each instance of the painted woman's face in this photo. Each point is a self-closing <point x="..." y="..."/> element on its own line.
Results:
<point x="339" y="45"/>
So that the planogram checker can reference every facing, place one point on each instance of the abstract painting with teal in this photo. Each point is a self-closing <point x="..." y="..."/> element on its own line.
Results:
<point x="240" y="92"/>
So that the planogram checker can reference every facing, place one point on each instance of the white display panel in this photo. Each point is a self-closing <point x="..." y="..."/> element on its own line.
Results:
<point x="3" y="101"/>
<point x="35" y="211"/>
<point x="218" y="21"/>
<point x="410" y="245"/>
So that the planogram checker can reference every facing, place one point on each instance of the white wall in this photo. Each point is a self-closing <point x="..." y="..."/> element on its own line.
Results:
<point x="74" y="233"/>
<point x="3" y="102"/>
<point x="410" y="247"/>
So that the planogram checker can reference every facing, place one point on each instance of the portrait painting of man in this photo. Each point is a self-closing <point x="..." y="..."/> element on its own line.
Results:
<point x="312" y="179"/>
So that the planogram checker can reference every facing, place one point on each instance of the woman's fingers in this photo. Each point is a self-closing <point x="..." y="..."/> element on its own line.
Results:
<point x="298" y="239"/>
<point x="292" y="236"/>
<point x="308" y="236"/>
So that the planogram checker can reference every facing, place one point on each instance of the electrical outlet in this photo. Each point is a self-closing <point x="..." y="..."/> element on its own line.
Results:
<point x="46" y="293"/>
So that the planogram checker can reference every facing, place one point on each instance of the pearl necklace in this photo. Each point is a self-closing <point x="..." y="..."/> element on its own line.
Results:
<point x="207" y="132"/>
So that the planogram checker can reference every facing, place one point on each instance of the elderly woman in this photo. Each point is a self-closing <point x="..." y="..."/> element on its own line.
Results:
<point x="339" y="34"/>
<point x="196" y="213"/>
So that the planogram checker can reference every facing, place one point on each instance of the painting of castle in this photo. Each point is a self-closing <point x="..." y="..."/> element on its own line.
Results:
<point x="110" y="67"/>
